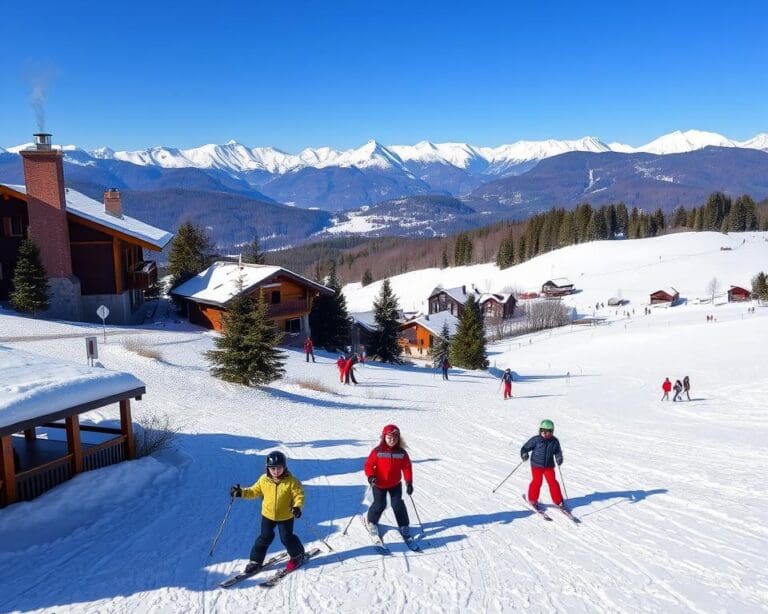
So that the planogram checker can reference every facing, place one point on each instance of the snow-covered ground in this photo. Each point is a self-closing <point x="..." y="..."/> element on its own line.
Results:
<point x="671" y="495"/>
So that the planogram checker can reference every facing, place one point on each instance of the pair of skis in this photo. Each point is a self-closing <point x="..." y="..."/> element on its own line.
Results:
<point x="379" y="544"/>
<point x="543" y="514"/>
<point x="276" y="577"/>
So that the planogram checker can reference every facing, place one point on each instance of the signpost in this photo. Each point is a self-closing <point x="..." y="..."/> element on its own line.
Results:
<point x="91" y="349"/>
<point x="103" y="312"/>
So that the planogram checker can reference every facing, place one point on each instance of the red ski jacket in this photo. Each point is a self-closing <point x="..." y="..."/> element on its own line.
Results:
<point x="308" y="345"/>
<point x="666" y="386"/>
<point x="387" y="464"/>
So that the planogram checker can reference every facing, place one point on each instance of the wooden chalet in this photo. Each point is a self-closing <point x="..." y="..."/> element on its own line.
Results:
<point x="421" y="333"/>
<point x="499" y="306"/>
<point x="452" y="300"/>
<point x="93" y="254"/>
<point x="738" y="294"/>
<point x="665" y="295"/>
<point x="47" y="398"/>
<point x="557" y="287"/>
<point x="288" y="295"/>
<point x="362" y="326"/>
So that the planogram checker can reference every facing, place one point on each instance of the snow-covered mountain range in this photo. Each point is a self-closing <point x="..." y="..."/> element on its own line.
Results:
<point x="500" y="161"/>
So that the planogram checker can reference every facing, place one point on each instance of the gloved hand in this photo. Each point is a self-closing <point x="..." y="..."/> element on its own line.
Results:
<point x="236" y="491"/>
<point x="409" y="488"/>
<point x="372" y="480"/>
<point x="296" y="511"/>
<point x="524" y="456"/>
<point x="559" y="460"/>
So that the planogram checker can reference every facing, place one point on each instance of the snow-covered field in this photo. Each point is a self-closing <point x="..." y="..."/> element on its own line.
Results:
<point x="672" y="495"/>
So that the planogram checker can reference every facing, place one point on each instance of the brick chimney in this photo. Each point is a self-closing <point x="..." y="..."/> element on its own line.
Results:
<point x="46" y="205"/>
<point x="112" y="203"/>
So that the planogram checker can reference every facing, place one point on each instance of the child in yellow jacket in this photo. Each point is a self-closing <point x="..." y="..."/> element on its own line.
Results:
<point x="283" y="499"/>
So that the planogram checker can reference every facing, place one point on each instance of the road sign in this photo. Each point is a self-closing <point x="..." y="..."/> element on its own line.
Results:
<point x="92" y="349"/>
<point x="102" y="312"/>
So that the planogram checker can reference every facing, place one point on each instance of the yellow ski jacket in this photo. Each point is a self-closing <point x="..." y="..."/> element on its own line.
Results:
<point x="279" y="497"/>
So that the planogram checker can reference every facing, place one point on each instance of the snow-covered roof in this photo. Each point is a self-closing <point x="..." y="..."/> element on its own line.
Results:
<point x="459" y="294"/>
<point x="84" y="207"/>
<point x="366" y="319"/>
<point x="218" y="284"/>
<point x="560" y="282"/>
<point x="669" y="290"/>
<point x="434" y="322"/>
<point x="500" y="297"/>
<point x="33" y="386"/>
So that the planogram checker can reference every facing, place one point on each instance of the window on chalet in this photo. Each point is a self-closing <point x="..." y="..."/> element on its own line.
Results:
<point x="275" y="297"/>
<point x="17" y="227"/>
<point x="293" y="325"/>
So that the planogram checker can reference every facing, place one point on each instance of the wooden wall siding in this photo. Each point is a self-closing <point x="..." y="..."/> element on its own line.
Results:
<point x="92" y="263"/>
<point x="78" y="233"/>
<point x="10" y="207"/>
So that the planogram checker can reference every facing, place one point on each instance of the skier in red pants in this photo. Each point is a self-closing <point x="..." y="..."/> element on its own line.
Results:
<point x="545" y="452"/>
<point x="506" y="379"/>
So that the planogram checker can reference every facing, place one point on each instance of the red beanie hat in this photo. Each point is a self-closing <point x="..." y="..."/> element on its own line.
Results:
<point x="390" y="428"/>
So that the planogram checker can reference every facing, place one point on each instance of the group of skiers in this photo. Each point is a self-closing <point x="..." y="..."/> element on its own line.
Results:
<point x="679" y="387"/>
<point x="346" y="364"/>
<point x="386" y="466"/>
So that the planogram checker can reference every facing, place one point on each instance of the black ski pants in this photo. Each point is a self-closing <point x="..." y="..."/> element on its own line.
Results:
<point x="380" y="503"/>
<point x="291" y="542"/>
<point x="445" y="373"/>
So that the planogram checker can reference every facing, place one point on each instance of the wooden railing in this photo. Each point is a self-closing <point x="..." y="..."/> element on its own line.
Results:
<point x="33" y="483"/>
<point x="108" y="453"/>
<point x="286" y="308"/>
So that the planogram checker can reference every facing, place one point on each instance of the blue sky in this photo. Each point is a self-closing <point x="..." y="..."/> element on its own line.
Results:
<point x="337" y="73"/>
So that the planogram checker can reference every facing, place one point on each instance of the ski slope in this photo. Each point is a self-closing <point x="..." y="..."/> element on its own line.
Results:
<point x="671" y="495"/>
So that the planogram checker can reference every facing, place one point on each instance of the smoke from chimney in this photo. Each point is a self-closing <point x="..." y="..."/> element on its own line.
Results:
<point x="39" y="77"/>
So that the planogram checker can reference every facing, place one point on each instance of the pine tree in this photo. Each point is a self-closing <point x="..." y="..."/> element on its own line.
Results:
<point x="622" y="219"/>
<point x="191" y="252"/>
<point x="367" y="277"/>
<point x="506" y="254"/>
<point x="252" y="253"/>
<point x="30" y="282"/>
<point x="384" y="341"/>
<point x="468" y="344"/>
<point x="760" y="286"/>
<point x="329" y="318"/>
<point x="680" y="217"/>
<point x="444" y="260"/>
<point x="442" y="347"/>
<point x="247" y="351"/>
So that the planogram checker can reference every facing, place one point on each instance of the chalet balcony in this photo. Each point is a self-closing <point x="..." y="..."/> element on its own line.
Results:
<point x="287" y="308"/>
<point x="143" y="276"/>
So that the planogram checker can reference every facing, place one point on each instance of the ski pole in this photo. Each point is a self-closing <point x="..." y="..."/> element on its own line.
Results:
<point x="508" y="476"/>
<point x="416" y="510"/>
<point x="221" y="528"/>
<point x="317" y="536"/>
<point x="565" y="492"/>
<point x="344" y="532"/>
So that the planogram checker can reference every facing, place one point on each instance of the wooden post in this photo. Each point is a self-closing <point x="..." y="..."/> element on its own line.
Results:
<point x="117" y="258"/>
<point x="7" y="470"/>
<point x="30" y="434"/>
<point x="73" y="442"/>
<point x="126" y="428"/>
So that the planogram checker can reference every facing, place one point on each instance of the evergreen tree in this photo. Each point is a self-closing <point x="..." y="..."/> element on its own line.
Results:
<point x="565" y="235"/>
<point x="622" y="219"/>
<point x="442" y="348"/>
<point x="367" y="277"/>
<point x="30" y="292"/>
<point x="384" y="341"/>
<point x="506" y="256"/>
<point x="252" y="253"/>
<point x="329" y="318"/>
<point x="760" y="286"/>
<point x="444" y="261"/>
<point x="660" y="221"/>
<point x="191" y="252"/>
<point x="679" y="217"/>
<point x="467" y="348"/>
<point x="247" y="351"/>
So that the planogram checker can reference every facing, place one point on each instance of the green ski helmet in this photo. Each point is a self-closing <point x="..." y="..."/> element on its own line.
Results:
<point x="547" y="425"/>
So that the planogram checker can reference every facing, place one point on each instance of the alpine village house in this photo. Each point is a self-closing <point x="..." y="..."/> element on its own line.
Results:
<point x="93" y="254"/>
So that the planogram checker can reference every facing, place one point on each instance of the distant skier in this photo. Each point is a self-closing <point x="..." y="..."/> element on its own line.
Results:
<point x="349" y="369"/>
<point x="678" y="390"/>
<point x="340" y="364"/>
<point x="309" y="349"/>
<point x="444" y="366"/>
<point x="506" y="379"/>
<point x="386" y="463"/>
<point x="283" y="499"/>
<point x="666" y="387"/>
<point x="687" y="387"/>
<point x="545" y="452"/>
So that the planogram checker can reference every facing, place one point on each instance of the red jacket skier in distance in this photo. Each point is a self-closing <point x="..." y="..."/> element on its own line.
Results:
<point x="387" y="464"/>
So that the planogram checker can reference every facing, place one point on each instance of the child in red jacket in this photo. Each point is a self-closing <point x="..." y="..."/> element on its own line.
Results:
<point x="384" y="466"/>
<point x="340" y="364"/>
<point x="666" y="387"/>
